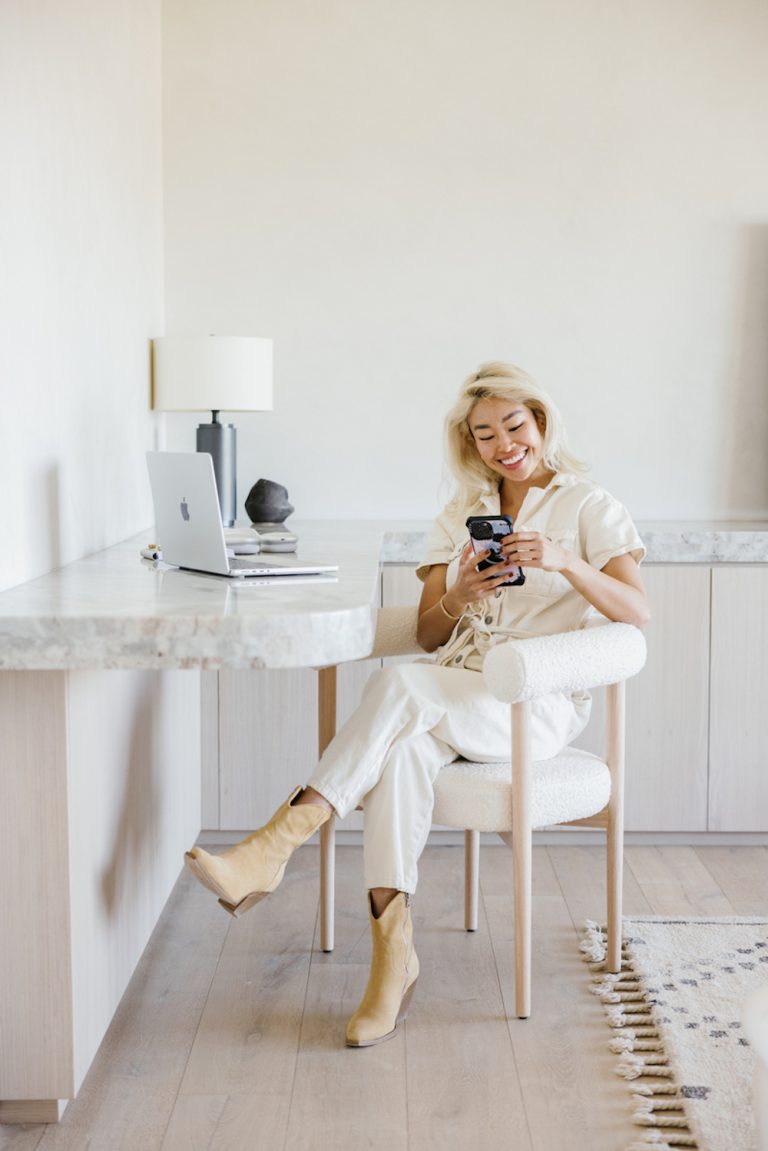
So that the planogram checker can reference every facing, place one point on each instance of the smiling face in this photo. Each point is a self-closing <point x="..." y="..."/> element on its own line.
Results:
<point x="510" y="442"/>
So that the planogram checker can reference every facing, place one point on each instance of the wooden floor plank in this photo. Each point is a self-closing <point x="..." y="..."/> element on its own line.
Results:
<point x="247" y="1039"/>
<point x="231" y="1033"/>
<point x="257" y="1122"/>
<point x="572" y="1096"/>
<point x="20" y="1138"/>
<point x="742" y="874"/>
<point x="463" y="1086"/>
<point x="128" y="1095"/>
<point x="496" y="870"/>
<point x="581" y="876"/>
<point x="193" y="1122"/>
<point x="674" y="881"/>
<point x="344" y="1097"/>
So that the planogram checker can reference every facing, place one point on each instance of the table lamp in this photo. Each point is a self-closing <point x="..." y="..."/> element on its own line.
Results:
<point x="214" y="373"/>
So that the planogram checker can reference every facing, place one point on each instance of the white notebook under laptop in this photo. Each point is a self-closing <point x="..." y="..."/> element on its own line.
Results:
<point x="188" y="522"/>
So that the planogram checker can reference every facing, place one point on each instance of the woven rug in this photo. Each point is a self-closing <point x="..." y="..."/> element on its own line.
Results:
<point x="675" y="1010"/>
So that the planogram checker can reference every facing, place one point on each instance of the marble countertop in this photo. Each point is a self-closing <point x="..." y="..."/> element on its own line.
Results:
<point x="115" y="610"/>
<point x="668" y="542"/>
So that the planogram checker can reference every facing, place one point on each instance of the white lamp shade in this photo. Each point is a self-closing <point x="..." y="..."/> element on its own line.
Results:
<point x="212" y="373"/>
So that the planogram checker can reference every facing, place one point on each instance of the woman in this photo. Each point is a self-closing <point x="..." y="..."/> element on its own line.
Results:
<point x="579" y="551"/>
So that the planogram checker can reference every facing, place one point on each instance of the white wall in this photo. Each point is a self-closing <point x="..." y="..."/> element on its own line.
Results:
<point x="81" y="288"/>
<point x="396" y="192"/>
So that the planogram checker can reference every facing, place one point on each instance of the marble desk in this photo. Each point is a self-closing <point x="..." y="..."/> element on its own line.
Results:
<point x="113" y="610"/>
<point x="100" y="756"/>
<point x="100" y="783"/>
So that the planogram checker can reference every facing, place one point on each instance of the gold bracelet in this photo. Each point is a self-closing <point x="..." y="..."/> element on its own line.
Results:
<point x="445" y="611"/>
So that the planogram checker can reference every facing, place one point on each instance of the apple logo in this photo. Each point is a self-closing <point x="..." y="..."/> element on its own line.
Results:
<point x="184" y="508"/>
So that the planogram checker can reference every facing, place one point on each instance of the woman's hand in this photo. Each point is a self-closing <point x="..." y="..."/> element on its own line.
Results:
<point x="616" y="590"/>
<point x="440" y="610"/>
<point x="534" y="550"/>
<point x="471" y="583"/>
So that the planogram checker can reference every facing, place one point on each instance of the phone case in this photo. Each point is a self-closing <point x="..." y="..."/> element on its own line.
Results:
<point x="488" y="532"/>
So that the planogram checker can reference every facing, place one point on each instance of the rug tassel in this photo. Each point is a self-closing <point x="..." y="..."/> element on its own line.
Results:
<point x="630" y="1043"/>
<point x="633" y="1066"/>
<point x="628" y="1004"/>
<point x="663" y="1141"/>
<point x="611" y="995"/>
<point x="648" y="1105"/>
<point x="651" y="1119"/>
<point x="654" y="1089"/>
<point x="617" y="1017"/>
<point x="594" y="945"/>
<point x="654" y="1139"/>
<point x="647" y="1031"/>
<point x="645" y="1145"/>
<point x="616" y="985"/>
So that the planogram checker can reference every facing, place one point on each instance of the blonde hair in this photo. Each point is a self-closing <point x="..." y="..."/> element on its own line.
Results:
<point x="499" y="381"/>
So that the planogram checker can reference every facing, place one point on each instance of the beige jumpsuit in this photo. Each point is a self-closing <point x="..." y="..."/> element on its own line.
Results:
<point x="416" y="717"/>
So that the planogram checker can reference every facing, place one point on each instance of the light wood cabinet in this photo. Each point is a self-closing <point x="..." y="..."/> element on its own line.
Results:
<point x="259" y="739"/>
<point x="400" y="585"/>
<point x="668" y="706"/>
<point x="738" y="759"/>
<point x="697" y="744"/>
<point x="259" y="728"/>
<point x="267" y="741"/>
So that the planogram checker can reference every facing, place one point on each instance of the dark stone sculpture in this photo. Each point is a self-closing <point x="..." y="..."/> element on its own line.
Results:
<point x="268" y="503"/>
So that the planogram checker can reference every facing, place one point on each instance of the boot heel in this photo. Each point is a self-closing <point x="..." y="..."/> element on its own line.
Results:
<point x="248" y="901"/>
<point x="236" y="909"/>
<point x="406" y="1003"/>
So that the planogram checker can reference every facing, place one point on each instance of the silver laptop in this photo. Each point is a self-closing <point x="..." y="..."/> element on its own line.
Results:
<point x="188" y="522"/>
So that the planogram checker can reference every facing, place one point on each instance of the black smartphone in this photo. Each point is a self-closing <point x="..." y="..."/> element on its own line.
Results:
<point x="486" y="533"/>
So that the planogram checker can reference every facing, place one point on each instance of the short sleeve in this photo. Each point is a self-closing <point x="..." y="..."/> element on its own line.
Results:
<point x="443" y="544"/>
<point x="607" y="530"/>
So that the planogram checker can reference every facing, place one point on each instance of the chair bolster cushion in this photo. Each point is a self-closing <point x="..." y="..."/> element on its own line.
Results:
<point x="571" y="661"/>
<point x="478" y="796"/>
<point x="396" y="633"/>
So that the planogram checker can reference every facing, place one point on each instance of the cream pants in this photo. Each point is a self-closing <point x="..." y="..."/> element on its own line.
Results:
<point x="412" y="720"/>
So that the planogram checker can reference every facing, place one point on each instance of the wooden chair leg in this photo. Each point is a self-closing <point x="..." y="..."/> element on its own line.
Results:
<point x="615" y="879"/>
<point x="471" y="878"/>
<point x="521" y="853"/>
<point x="327" y="882"/>
<point x="326" y="729"/>
<point x="615" y="701"/>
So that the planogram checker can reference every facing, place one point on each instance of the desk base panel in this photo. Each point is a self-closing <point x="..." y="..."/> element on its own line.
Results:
<point x="99" y="798"/>
<point x="31" y="1110"/>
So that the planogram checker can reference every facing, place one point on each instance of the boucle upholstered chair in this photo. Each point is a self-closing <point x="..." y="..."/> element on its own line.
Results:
<point x="512" y="799"/>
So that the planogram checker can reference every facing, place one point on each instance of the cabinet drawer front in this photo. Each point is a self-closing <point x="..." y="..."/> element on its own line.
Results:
<point x="668" y="706"/>
<point x="738" y="792"/>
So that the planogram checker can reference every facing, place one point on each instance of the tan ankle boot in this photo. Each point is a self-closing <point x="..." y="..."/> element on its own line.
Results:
<point x="251" y="870"/>
<point x="394" y="970"/>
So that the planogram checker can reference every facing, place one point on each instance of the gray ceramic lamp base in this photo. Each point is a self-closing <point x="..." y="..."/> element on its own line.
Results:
<point x="220" y="441"/>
